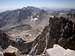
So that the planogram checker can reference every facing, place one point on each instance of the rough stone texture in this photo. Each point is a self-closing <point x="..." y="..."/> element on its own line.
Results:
<point x="1" y="53"/>
<point x="5" y="42"/>
<point x="62" y="32"/>
<point x="55" y="51"/>
<point x="11" y="51"/>
<point x="59" y="31"/>
<point x="59" y="51"/>
<point x="40" y="41"/>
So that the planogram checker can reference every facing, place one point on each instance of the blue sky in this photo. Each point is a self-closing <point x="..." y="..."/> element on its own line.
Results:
<point x="14" y="4"/>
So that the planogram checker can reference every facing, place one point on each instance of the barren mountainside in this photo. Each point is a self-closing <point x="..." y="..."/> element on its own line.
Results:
<point x="32" y="31"/>
<point x="20" y="16"/>
<point x="57" y="32"/>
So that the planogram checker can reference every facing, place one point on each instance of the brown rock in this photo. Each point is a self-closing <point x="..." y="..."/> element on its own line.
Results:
<point x="11" y="51"/>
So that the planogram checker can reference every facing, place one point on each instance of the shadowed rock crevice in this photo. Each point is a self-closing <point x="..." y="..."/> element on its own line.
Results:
<point x="4" y="40"/>
<point x="62" y="32"/>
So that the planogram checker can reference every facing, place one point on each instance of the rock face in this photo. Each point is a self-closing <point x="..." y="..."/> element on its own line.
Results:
<point x="62" y="32"/>
<point x="59" y="31"/>
<point x="11" y="51"/>
<point x="1" y="51"/>
<point x="40" y="43"/>
<point x="4" y="40"/>
<point x="55" y="51"/>
<point x="59" y="51"/>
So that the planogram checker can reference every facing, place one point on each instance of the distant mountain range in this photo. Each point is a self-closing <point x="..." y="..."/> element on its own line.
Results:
<point x="50" y="10"/>
<point x="19" y="16"/>
<point x="24" y="15"/>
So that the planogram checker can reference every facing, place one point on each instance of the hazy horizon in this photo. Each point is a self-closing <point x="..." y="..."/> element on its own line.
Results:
<point x="14" y="4"/>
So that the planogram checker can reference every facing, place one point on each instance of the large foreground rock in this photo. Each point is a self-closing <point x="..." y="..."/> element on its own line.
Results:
<point x="11" y="51"/>
<point x="59" y="51"/>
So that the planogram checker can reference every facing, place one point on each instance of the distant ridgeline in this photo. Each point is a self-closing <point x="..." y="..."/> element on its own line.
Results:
<point x="20" y="16"/>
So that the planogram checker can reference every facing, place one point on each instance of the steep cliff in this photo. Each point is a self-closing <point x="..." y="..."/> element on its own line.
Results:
<point x="59" y="31"/>
<point x="62" y="32"/>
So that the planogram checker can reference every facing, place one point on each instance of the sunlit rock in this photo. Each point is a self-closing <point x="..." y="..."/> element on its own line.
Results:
<point x="11" y="51"/>
<point x="59" y="51"/>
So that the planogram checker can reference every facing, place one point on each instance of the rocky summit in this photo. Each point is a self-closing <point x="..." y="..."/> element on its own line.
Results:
<point x="35" y="32"/>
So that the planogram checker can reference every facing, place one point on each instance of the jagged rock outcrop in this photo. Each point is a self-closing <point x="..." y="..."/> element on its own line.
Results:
<point x="11" y="51"/>
<point x="4" y="40"/>
<point x="40" y="43"/>
<point x="59" y="31"/>
<point x="62" y="32"/>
